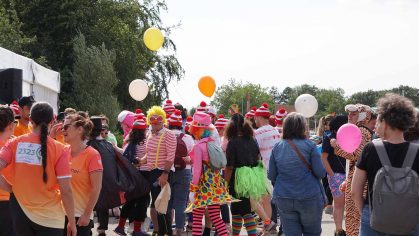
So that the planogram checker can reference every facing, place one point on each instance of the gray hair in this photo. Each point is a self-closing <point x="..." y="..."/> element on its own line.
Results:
<point x="294" y="126"/>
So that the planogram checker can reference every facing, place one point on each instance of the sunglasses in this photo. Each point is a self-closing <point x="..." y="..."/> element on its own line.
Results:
<point x="156" y="119"/>
<point x="66" y="127"/>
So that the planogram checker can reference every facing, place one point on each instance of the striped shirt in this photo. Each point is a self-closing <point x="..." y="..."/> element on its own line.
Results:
<point x="166" y="151"/>
<point x="267" y="136"/>
<point x="140" y="152"/>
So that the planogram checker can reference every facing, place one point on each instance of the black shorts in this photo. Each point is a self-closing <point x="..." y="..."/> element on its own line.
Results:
<point x="81" y="230"/>
<point x="25" y="226"/>
<point x="6" y="222"/>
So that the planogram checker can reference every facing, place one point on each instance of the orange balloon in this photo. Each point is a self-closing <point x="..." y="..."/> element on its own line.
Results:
<point x="207" y="86"/>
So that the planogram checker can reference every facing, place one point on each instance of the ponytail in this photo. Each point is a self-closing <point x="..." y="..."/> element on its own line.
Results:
<point x="44" y="136"/>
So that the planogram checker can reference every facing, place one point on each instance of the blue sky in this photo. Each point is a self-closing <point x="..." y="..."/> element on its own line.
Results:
<point x="353" y="44"/>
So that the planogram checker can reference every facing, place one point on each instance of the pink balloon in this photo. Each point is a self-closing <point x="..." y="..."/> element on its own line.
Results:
<point x="349" y="137"/>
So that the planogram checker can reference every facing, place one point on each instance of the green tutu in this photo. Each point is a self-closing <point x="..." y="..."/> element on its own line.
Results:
<point x="250" y="182"/>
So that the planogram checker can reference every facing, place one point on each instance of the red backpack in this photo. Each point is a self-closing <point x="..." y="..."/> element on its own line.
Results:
<point x="181" y="151"/>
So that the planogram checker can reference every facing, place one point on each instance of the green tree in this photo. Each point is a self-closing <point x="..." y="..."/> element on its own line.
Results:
<point x="275" y="94"/>
<point x="94" y="79"/>
<point x="192" y="111"/>
<point x="235" y="92"/>
<point x="409" y="92"/>
<point x="369" y="97"/>
<point x="117" y="24"/>
<point x="285" y="95"/>
<point x="330" y="100"/>
<point x="11" y="36"/>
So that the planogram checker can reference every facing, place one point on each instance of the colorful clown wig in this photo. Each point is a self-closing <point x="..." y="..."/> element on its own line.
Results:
<point x="200" y="132"/>
<point x="156" y="111"/>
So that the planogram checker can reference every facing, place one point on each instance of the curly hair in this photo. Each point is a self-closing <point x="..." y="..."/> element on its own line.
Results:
<point x="6" y="117"/>
<point x="238" y="126"/>
<point x="200" y="132"/>
<point x="413" y="132"/>
<point x="80" y="121"/>
<point x="397" y="111"/>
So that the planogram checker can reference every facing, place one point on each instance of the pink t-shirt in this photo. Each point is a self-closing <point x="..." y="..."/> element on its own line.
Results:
<point x="199" y="154"/>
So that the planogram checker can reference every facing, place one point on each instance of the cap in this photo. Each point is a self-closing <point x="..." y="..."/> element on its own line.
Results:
<point x="140" y="121"/>
<point x="201" y="120"/>
<point x="202" y="107"/>
<point x="168" y="107"/>
<point x="251" y="113"/>
<point x="175" y="119"/>
<point x="26" y="101"/>
<point x="97" y="122"/>
<point x="263" y="111"/>
<point x="280" y="115"/>
<point x="211" y="111"/>
<point x="16" y="109"/>
<point x="221" y="122"/>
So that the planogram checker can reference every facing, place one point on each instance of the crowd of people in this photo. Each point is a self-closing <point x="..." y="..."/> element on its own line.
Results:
<point x="259" y="171"/>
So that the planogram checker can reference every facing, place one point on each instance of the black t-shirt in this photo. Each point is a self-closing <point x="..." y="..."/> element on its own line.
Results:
<point x="241" y="151"/>
<point x="369" y="160"/>
<point x="338" y="164"/>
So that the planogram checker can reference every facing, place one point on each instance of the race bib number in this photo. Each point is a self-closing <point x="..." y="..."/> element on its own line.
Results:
<point x="29" y="153"/>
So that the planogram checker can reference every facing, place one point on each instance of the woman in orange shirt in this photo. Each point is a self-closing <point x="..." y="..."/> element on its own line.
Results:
<point x="86" y="168"/>
<point x="40" y="173"/>
<point x="7" y="125"/>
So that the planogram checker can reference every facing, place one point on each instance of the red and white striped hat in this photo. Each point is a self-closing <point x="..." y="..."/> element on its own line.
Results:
<point x="140" y="120"/>
<point x="263" y="111"/>
<point x="188" y="123"/>
<point x="251" y="113"/>
<point x="280" y="115"/>
<point x="202" y="107"/>
<point x="168" y="107"/>
<point x="221" y="122"/>
<point x="175" y="119"/>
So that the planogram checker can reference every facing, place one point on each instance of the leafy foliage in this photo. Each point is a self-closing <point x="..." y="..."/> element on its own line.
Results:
<point x="118" y="25"/>
<point x="235" y="92"/>
<point x="94" y="79"/>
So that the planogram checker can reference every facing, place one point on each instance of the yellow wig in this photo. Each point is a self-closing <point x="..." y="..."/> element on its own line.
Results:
<point x="156" y="111"/>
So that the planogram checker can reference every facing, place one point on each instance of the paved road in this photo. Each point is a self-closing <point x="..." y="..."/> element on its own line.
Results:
<point x="327" y="227"/>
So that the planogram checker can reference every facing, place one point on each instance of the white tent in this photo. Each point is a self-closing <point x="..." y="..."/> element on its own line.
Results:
<point x="38" y="81"/>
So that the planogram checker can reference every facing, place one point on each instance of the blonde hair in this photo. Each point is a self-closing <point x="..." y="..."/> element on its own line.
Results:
<point x="156" y="111"/>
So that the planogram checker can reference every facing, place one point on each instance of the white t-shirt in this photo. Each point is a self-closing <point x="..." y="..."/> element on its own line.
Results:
<point x="267" y="136"/>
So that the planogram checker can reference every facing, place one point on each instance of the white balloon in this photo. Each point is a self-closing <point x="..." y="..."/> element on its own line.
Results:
<point x="138" y="89"/>
<point x="307" y="105"/>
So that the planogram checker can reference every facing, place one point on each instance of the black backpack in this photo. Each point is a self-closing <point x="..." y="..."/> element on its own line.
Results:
<point x="181" y="151"/>
<point x="119" y="176"/>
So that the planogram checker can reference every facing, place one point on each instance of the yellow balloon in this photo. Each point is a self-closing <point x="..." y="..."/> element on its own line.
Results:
<point x="153" y="39"/>
<point x="207" y="86"/>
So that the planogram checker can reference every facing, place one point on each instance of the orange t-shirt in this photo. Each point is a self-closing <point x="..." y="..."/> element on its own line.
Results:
<point x="88" y="161"/>
<point x="60" y="138"/>
<point x="22" y="129"/>
<point x="40" y="201"/>
<point x="5" y="196"/>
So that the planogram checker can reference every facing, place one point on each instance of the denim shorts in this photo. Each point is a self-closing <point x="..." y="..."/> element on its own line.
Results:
<point x="334" y="182"/>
